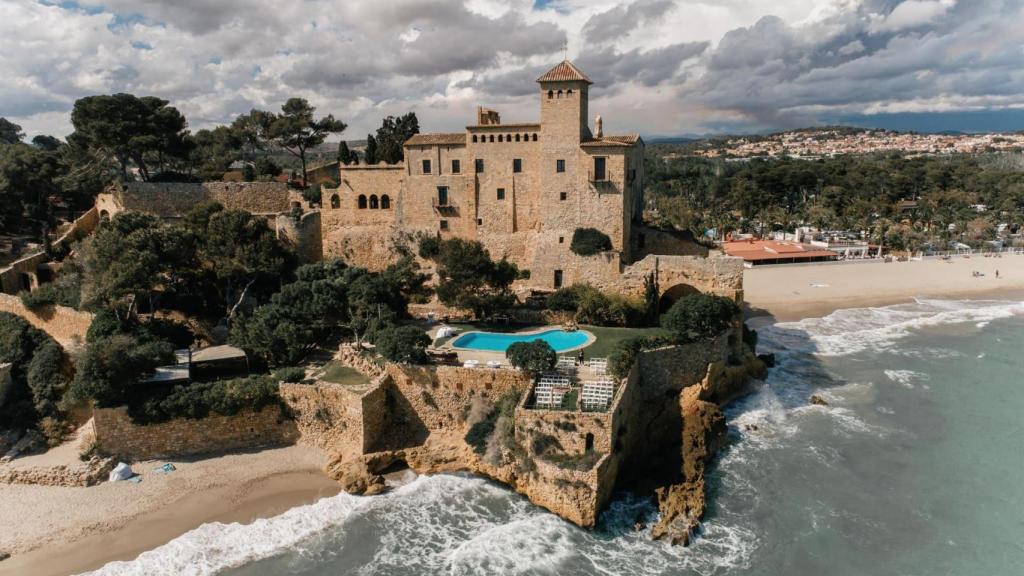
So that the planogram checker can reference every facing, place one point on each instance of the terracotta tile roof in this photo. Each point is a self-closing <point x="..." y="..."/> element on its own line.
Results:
<point x="753" y="250"/>
<point x="436" y="139"/>
<point x="564" y="72"/>
<point x="623" y="140"/>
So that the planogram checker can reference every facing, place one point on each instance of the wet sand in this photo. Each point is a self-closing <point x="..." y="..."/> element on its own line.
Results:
<point x="59" y="530"/>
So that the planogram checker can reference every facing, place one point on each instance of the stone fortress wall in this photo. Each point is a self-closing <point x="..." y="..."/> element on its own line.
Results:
<point x="65" y="325"/>
<point x="117" y="435"/>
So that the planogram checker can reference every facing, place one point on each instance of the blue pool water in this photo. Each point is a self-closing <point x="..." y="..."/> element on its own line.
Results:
<point x="560" y="340"/>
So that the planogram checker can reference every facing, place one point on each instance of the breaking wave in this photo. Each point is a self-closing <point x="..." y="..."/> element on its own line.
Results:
<point x="854" y="330"/>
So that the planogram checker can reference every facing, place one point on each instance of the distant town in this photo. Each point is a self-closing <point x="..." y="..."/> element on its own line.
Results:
<point x="833" y="141"/>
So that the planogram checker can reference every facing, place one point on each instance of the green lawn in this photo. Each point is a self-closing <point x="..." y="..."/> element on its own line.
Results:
<point x="608" y="338"/>
<point x="337" y="373"/>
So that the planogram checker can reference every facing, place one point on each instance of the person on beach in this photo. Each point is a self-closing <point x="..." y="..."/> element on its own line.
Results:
<point x="997" y="273"/>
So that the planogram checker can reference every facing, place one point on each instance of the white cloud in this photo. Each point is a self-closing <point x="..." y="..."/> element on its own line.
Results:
<point x="661" y="66"/>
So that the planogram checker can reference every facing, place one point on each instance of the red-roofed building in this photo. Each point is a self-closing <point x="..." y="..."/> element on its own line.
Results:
<point x="756" y="252"/>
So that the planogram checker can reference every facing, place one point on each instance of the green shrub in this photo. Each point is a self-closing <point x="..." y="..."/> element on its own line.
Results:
<point x="589" y="241"/>
<point x="600" y="309"/>
<point x="64" y="291"/>
<point x="533" y="357"/>
<point x="402" y="344"/>
<point x="564" y="299"/>
<point x="46" y="378"/>
<point x="19" y="343"/>
<point x="290" y="374"/>
<point x="430" y="247"/>
<point x="699" y="317"/>
<point x="110" y="367"/>
<point x="199" y="400"/>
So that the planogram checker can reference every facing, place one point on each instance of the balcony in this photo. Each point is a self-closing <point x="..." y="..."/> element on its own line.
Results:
<point x="446" y="208"/>
<point x="600" y="181"/>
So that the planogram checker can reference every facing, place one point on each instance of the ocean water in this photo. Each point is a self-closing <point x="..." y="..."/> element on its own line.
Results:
<point x="916" y="467"/>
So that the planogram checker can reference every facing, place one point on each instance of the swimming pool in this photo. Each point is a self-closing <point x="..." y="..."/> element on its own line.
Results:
<point x="560" y="340"/>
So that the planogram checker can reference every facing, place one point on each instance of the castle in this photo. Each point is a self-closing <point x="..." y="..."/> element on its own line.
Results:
<point x="522" y="190"/>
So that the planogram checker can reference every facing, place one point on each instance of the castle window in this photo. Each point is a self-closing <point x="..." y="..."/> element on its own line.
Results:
<point x="551" y="93"/>
<point x="559" y="93"/>
<point x="517" y="165"/>
<point x="444" y="224"/>
<point x="442" y="195"/>
<point x="561" y="239"/>
<point x="500" y="138"/>
<point x="474" y="137"/>
<point x="492" y="137"/>
<point x="373" y="202"/>
<point x="559" y="165"/>
<point x="558" y="278"/>
<point x="517" y="137"/>
<point x="588" y="442"/>
<point x="385" y="202"/>
<point x="568" y="94"/>
<point x="362" y="201"/>
<point x="562" y="196"/>
<point x="534" y="137"/>
<point x="426" y="166"/>
<point x="456" y="167"/>
<point x="508" y="137"/>
<point x="600" y="173"/>
<point x="479" y="165"/>
<point x="479" y="221"/>
<point x="501" y="193"/>
<point x="335" y="201"/>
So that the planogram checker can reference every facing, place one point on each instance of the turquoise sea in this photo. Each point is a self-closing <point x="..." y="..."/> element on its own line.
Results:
<point x="916" y="467"/>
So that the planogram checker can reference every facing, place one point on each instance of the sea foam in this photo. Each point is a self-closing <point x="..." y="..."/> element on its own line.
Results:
<point x="854" y="330"/>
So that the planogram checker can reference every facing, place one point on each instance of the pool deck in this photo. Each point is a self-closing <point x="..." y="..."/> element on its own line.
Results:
<point x="484" y="356"/>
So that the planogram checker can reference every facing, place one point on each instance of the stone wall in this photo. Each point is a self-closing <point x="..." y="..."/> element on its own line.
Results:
<point x="175" y="199"/>
<point x="302" y="236"/>
<point x="328" y="416"/>
<point x="65" y="325"/>
<point x="21" y="274"/>
<point x="80" y="228"/>
<point x="441" y="396"/>
<point x="117" y="435"/>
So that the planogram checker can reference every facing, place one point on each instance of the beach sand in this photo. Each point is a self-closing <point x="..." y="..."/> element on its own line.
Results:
<point x="795" y="291"/>
<point x="60" y="530"/>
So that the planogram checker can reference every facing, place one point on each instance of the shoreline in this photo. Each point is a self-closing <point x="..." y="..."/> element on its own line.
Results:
<point x="792" y="292"/>
<point x="251" y="485"/>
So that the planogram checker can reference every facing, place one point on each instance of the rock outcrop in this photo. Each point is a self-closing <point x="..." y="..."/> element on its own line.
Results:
<point x="704" y="432"/>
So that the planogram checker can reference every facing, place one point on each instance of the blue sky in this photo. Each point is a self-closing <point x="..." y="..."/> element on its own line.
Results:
<point x="660" y="67"/>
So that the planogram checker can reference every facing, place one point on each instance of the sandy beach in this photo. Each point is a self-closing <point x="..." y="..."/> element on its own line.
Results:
<point x="794" y="291"/>
<point x="59" y="530"/>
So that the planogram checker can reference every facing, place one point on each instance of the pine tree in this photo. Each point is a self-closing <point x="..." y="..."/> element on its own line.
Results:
<point x="371" y="150"/>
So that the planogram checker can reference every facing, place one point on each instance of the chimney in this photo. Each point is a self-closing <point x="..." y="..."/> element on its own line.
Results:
<point x="599" y="127"/>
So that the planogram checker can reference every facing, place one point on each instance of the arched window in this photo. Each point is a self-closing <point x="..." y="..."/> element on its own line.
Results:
<point x="474" y="137"/>
<point x="517" y="137"/>
<point x="551" y="93"/>
<point x="385" y="202"/>
<point x="559" y="93"/>
<point x="335" y="201"/>
<point x="508" y="138"/>
<point x="500" y="138"/>
<point x="362" y="201"/>
<point x="568" y="94"/>
<point x="373" y="202"/>
<point x="492" y="137"/>
<point x="534" y="137"/>
<point x="104" y="216"/>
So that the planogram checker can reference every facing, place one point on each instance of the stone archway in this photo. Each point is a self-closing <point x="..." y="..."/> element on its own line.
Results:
<point x="673" y="294"/>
